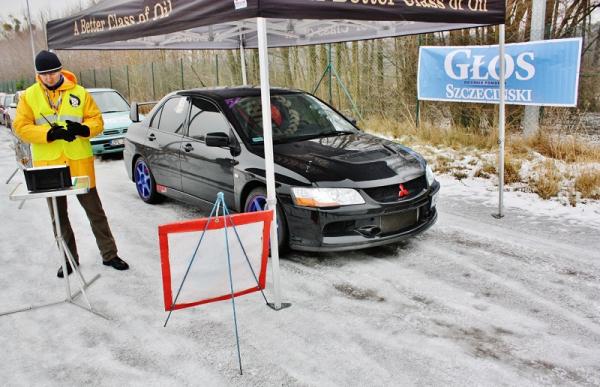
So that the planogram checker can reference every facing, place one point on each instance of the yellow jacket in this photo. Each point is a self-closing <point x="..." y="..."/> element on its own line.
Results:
<point x="29" y="132"/>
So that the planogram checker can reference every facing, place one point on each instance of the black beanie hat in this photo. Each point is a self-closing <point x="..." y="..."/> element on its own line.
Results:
<point x="47" y="62"/>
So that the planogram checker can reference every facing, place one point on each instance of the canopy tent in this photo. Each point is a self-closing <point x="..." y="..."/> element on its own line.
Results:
<point x="227" y="24"/>
<point x="193" y="24"/>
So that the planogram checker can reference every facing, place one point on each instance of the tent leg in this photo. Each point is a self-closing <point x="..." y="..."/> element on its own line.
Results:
<point x="243" y="62"/>
<point x="265" y="95"/>
<point x="501" y="127"/>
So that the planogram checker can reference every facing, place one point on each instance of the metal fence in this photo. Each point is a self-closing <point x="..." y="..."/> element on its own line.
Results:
<point x="149" y="81"/>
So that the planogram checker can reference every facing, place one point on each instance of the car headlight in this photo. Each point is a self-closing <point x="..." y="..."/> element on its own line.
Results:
<point x="325" y="197"/>
<point x="429" y="176"/>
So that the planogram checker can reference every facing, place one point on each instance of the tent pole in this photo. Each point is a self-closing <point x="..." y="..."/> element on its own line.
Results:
<point x="243" y="63"/>
<point x="265" y="97"/>
<point x="501" y="126"/>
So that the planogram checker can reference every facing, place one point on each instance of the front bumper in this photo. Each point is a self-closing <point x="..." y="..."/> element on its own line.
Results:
<point x="357" y="227"/>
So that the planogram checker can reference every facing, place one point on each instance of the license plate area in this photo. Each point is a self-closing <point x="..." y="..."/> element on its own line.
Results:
<point x="397" y="222"/>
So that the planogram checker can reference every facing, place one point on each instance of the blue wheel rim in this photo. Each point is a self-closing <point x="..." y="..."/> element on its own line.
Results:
<point x="257" y="203"/>
<point x="142" y="180"/>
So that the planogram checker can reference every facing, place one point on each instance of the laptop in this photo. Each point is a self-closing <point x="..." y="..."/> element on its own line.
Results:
<point x="50" y="178"/>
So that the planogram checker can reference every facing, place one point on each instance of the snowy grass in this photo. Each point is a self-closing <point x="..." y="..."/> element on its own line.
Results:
<point x="565" y="167"/>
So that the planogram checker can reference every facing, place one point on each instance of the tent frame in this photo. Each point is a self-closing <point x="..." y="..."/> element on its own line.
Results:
<point x="212" y="24"/>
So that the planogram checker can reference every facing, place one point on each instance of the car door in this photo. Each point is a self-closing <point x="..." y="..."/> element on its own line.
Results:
<point x="205" y="170"/>
<point x="163" y="142"/>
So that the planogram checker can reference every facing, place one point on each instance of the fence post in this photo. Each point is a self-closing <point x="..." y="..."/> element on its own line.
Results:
<point x="181" y="67"/>
<point x="94" y="77"/>
<point x="217" y="67"/>
<point x="153" y="88"/>
<point x="128" y="87"/>
<point x="329" y="64"/>
<point x="81" y="78"/>
<point x="110" y="76"/>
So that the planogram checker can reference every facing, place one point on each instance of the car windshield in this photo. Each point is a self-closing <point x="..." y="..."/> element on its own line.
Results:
<point x="294" y="117"/>
<point x="110" y="101"/>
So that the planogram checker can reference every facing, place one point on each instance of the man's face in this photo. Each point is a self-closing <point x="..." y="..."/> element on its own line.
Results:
<point x="50" y="79"/>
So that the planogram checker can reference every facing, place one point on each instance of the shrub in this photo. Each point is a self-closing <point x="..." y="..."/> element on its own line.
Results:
<point x="588" y="183"/>
<point x="546" y="183"/>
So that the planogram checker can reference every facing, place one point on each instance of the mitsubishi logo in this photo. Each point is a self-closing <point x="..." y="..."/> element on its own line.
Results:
<point x="402" y="191"/>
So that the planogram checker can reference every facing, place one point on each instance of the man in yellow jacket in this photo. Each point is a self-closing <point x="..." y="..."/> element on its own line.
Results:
<point x="56" y="97"/>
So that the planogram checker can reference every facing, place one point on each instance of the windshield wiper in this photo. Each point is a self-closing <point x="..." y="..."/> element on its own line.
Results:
<point x="336" y="133"/>
<point x="314" y="135"/>
<point x="114" y="111"/>
<point x="298" y="138"/>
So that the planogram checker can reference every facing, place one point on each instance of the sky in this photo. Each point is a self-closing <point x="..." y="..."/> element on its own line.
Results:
<point x="19" y="7"/>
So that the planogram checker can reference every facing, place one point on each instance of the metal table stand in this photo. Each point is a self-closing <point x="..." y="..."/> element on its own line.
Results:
<point x="81" y="185"/>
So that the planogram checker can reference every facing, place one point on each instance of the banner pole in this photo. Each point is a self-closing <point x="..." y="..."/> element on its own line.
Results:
<point x="501" y="126"/>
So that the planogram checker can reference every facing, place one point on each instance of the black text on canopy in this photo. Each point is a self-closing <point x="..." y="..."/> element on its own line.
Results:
<point x="227" y="24"/>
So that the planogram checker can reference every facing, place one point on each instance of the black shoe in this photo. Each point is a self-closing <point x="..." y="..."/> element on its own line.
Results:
<point x="117" y="263"/>
<point x="60" y="274"/>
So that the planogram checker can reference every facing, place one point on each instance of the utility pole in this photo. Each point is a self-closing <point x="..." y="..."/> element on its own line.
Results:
<point x="531" y="118"/>
<point x="31" y="34"/>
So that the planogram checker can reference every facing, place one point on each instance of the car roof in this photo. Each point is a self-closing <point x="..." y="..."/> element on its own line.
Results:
<point x="220" y="93"/>
<point x="99" y="89"/>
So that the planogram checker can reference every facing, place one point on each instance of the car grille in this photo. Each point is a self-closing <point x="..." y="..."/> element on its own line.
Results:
<point x="114" y="131"/>
<point x="383" y="225"/>
<point x="390" y="193"/>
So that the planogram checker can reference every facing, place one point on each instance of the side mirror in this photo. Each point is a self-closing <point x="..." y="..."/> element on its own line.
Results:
<point x="217" y="139"/>
<point x="134" y="115"/>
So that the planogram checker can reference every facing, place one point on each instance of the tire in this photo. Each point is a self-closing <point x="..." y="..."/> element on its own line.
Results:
<point x="256" y="201"/>
<point x="145" y="183"/>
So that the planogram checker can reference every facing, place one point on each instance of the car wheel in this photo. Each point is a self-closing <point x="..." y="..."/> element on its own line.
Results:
<point x="145" y="183"/>
<point x="257" y="201"/>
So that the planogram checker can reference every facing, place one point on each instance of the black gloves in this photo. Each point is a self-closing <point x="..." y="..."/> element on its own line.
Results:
<point x="76" y="129"/>
<point x="58" y="132"/>
<point x="69" y="134"/>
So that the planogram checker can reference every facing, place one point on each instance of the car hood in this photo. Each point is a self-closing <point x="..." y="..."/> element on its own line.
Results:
<point x="116" y="120"/>
<point x="359" y="160"/>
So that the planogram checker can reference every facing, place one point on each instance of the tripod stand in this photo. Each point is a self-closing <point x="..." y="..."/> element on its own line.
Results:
<point x="80" y="186"/>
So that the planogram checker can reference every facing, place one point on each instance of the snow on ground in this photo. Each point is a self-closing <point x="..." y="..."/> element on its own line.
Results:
<point x="473" y="301"/>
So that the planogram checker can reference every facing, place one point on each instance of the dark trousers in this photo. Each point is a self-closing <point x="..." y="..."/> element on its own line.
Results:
<point x="93" y="208"/>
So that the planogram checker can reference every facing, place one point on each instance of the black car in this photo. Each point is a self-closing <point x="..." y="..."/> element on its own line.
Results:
<point x="338" y="188"/>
